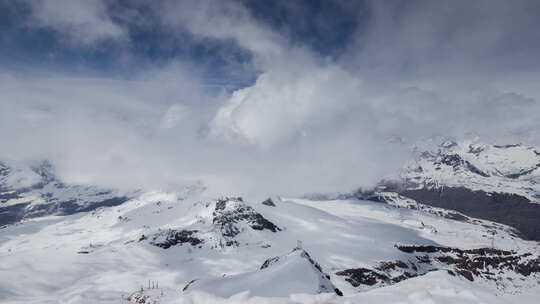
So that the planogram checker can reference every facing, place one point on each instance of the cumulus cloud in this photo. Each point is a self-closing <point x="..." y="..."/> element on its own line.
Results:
<point x="286" y="103"/>
<point x="417" y="69"/>
<point x="82" y="21"/>
<point x="308" y="123"/>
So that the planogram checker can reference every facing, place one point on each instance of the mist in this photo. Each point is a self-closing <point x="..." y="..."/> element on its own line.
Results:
<point x="308" y="122"/>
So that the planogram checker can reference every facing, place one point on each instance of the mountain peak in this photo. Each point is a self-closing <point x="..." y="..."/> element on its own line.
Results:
<point x="295" y="272"/>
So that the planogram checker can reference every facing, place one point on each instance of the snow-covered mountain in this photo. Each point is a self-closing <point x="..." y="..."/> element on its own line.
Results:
<point x="186" y="247"/>
<point x="31" y="189"/>
<point x="111" y="253"/>
<point x="280" y="276"/>
<point x="513" y="169"/>
<point x="492" y="182"/>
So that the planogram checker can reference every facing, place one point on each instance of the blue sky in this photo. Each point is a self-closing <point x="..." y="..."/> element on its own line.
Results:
<point x="323" y="26"/>
<point x="340" y="30"/>
<point x="276" y="96"/>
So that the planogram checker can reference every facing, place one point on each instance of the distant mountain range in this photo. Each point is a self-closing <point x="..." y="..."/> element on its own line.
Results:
<point x="29" y="190"/>
<point x="460" y="216"/>
<point x="497" y="183"/>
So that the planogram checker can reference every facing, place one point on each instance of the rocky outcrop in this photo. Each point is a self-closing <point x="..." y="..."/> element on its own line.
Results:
<point x="363" y="276"/>
<point x="487" y="264"/>
<point x="226" y="222"/>
<point x="172" y="237"/>
<point x="232" y="214"/>
<point x="455" y="161"/>
<point x="269" y="202"/>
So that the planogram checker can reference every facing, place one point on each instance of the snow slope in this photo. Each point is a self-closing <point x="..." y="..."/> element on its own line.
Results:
<point x="108" y="254"/>
<point x="477" y="166"/>
<point x="435" y="287"/>
<point x="295" y="272"/>
<point x="490" y="182"/>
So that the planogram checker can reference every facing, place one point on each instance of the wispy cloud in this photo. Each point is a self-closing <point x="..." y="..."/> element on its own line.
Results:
<point x="81" y="21"/>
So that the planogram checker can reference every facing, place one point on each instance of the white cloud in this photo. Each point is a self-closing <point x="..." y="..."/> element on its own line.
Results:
<point x="82" y="21"/>
<point x="284" y="104"/>
<point x="224" y="20"/>
<point x="174" y="115"/>
<point x="307" y="124"/>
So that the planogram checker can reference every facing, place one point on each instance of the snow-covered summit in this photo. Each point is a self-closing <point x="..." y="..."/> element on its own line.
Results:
<point x="476" y="166"/>
<point x="498" y="183"/>
<point x="216" y="224"/>
<point x="280" y="276"/>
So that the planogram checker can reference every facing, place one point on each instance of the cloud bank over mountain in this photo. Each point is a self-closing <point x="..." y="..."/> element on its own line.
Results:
<point x="324" y="106"/>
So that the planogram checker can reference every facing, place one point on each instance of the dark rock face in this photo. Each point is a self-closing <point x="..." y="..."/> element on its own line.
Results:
<point x="363" y="276"/>
<point x="505" y="208"/>
<point x="455" y="161"/>
<point x="188" y="284"/>
<point x="171" y="237"/>
<point x="269" y="202"/>
<point x="507" y="146"/>
<point x="485" y="263"/>
<point x="480" y="262"/>
<point x="12" y="214"/>
<point x="229" y="212"/>
<point x="432" y="249"/>
<point x="386" y="273"/>
<point x="269" y="262"/>
<point x="315" y="264"/>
